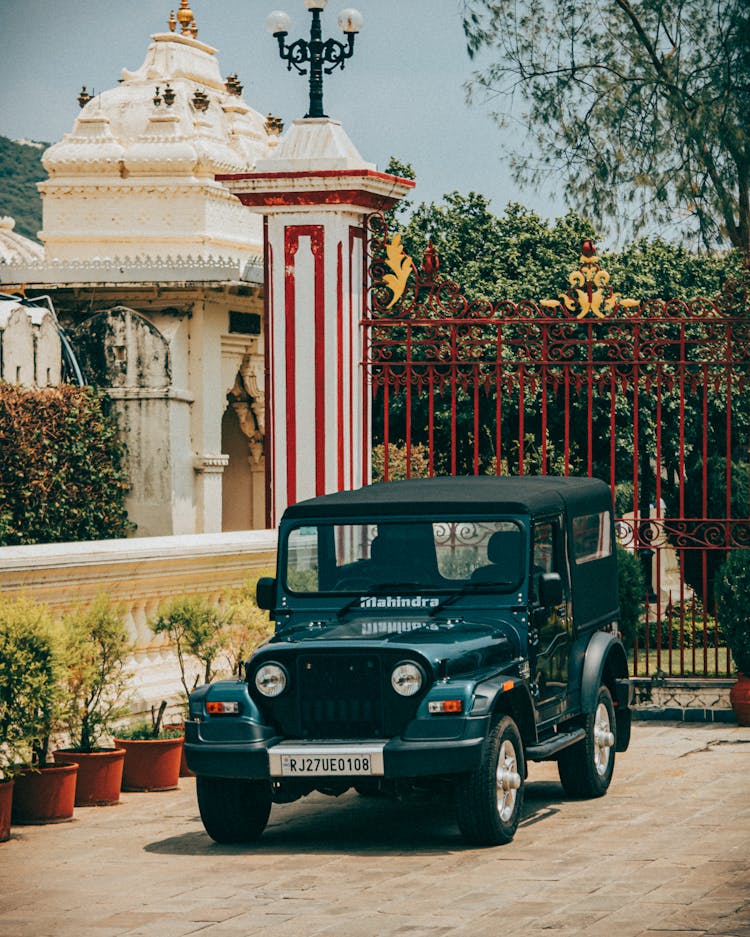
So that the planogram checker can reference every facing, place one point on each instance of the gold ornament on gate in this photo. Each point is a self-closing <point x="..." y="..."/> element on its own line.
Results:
<point x="590" y="292"/>
<point x="401" y="265"/>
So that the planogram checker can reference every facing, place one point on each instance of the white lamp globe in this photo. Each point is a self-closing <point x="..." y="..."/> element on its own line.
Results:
<point x="278" y="22"/>
<point x="316" y="4"/>
<point x="350" y="21"/>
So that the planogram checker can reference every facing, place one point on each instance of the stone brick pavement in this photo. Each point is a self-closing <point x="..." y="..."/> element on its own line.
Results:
<point x="666" y="853"/>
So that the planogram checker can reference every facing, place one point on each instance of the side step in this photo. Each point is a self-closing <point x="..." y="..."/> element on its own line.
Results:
<point x="545" y="750"/>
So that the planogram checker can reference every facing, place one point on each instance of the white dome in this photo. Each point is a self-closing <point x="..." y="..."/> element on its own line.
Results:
<point x="132" y="128"/>
<point x="136" y="176"/>
<point x="15" y="248"/>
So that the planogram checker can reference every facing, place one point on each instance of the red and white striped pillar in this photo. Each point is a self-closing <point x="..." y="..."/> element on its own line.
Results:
<point x="315" y="193"/>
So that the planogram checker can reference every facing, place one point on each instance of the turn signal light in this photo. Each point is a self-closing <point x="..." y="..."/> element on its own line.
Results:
<point x="214" y="708"/>
<point x="446" y="706"/>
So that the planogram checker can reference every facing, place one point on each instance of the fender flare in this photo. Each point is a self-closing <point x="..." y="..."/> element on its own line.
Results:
<point x="604" y="651"/>
<point x="491" y="697"/>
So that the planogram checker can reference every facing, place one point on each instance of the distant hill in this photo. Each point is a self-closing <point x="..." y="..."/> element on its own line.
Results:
<point x="20" y="169"/>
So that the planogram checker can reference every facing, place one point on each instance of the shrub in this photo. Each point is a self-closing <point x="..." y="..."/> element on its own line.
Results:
<point x="144" y="731"/>
<point x="97" y="644"/>
<point x="31" y="667"/>
<point x="631" y="592"/>
<point x="732" y="591"/>
<point x="419" y="459"/>
<point x="61" y="474"/>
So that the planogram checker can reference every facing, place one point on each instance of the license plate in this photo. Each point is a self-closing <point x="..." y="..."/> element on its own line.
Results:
<point x="301" y="760"/>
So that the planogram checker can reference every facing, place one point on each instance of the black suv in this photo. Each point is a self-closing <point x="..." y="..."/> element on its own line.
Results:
<point x="429" y="633"/>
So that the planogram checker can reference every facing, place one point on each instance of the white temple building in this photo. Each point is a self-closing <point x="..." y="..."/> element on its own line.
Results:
<point x="212" y="278"/>
<point x="155" y="269"/>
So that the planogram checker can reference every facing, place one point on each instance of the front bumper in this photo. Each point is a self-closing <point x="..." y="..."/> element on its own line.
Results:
<point x="401" y="759"/>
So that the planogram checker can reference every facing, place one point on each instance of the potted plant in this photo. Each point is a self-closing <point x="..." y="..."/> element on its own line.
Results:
<point x="732" y="590"/>
<point x="196" y="628"/>
<point x="153" y="753"/>
<point x="97" y="645"/>
<point x="30" y="701"/>
<point x="203" y="635"/>
<point x="44" y="791"/>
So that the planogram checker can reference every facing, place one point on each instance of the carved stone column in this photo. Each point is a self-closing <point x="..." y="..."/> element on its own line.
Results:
<point x="209" y="468"/>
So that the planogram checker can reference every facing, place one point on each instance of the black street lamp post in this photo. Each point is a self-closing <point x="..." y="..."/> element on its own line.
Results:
<point x="330" y="53"/>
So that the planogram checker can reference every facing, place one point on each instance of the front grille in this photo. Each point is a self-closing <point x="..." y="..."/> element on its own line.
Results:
<point x="340" y="696"/>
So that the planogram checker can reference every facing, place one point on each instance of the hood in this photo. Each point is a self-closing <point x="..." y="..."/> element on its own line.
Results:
<point x="453" y="646"/>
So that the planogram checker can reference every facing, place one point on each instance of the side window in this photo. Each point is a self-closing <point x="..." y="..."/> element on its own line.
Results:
<point x="592" y="537"/>
<point x="543" y="558"/>
<point x="544" y="548"/>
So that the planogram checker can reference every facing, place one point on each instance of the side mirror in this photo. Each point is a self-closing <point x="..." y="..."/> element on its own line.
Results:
<point x="550" y="589"/>
<point x="265" y="592"/>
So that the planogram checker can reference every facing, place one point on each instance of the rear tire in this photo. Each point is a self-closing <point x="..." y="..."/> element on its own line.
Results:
<point x="489" y="800"/>
<point x="233" y="810"/>
<point x="586" y="768"/>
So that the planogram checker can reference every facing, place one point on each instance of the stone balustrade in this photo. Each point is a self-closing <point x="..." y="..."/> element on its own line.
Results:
<point x="139" y="574"/>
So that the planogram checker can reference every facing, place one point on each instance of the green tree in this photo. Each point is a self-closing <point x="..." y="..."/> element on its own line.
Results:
<point x="517" y="255"/>
<point x="642" y="105"/>
<point x="20" y="170"/>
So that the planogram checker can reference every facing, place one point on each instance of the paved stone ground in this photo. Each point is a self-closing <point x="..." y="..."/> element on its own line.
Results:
<point x="665" y="853"/>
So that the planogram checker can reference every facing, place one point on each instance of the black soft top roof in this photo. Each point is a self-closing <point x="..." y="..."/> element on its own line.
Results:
<point x="539" y="494"/>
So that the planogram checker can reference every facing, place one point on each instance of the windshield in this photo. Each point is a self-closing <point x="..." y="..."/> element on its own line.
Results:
<point x="404" y="557"/>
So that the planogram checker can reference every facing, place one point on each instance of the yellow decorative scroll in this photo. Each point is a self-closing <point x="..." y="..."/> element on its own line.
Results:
<point x="401" y="265"/>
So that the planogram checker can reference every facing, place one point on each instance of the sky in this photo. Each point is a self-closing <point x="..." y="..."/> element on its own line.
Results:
<point x="402" y="94"/>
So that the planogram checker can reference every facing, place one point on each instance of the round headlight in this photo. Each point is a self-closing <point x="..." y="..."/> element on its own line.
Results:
<point x="406" y="679"/>
<point x="270" y="680"/>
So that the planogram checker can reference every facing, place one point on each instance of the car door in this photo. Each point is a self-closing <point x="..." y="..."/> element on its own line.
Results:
<point x="551" y="624"/>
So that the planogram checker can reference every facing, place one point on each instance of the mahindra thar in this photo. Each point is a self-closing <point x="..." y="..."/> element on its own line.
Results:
<point x="431" y="635"/>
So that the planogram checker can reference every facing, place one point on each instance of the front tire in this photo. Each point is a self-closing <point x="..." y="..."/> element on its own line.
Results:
<point x="489" y="800"/>
<point x="233" y="810"/>
<point x="586" y="768"/>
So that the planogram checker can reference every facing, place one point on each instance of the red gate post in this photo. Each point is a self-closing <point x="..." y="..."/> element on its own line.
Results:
<point x="315" y="192"/>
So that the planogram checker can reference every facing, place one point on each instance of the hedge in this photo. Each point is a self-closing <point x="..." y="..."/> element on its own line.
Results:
<point x="62" y="474"/>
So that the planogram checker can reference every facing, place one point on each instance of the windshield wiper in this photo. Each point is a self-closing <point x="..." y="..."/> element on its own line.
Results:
<point x="291" y="627"/>
<point x="380" y="587"/>
<point x="466" y="589"/>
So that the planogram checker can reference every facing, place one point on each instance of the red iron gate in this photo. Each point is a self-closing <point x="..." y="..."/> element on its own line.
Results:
<point x="650" y="395"/>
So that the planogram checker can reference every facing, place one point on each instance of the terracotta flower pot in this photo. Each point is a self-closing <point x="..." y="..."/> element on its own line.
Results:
<point x="99" y="775"/>
<point x="6" y="797"/>
<point x="185" y="772"/>
<point x="151" y="764"/>
<point x="739" y="697"/>
<point x="45" y="796"/>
